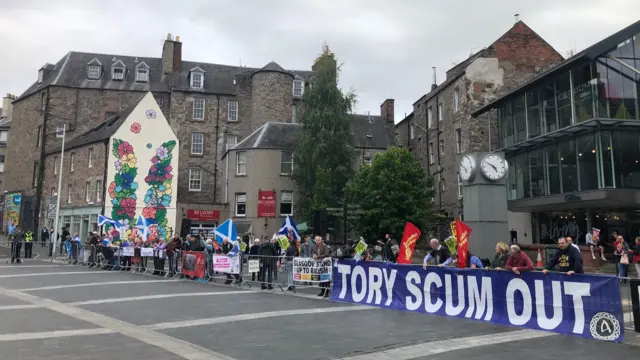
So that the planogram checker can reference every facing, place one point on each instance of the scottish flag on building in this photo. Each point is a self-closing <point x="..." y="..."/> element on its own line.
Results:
<point x="142" y="226"/>
<point x="289" y="228"/>
<point x="102" y="220"/>
<point x="226" y="230"/>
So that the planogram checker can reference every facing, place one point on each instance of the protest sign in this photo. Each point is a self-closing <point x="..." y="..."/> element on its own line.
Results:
<point x="254" y="266"/>
<point x="311" y="270"/>
<point x="361" y="247"/>
<point x="193" y="263"/>
<point x="226" y="264"/>
<point x="146" y="251"/>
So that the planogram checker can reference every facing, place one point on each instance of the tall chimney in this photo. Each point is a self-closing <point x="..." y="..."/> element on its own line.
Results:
<point x="387" y="111"/>
<point x="434" y="85"/>
<point x="517" y="17"/>
<point x="171" y="55"/>
<point x="7" y="106"/>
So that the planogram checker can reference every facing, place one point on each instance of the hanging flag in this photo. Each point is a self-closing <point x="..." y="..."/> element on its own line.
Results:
<point x="10" y="227"/>
<point x="462" y="232"/>
<point x="235" y="250"/>
<point x="142" y="227"/>
<point x="102" y="220"/>
<point x="289" y="227"/>
<point x="226" y="230"/>
<point x="409" y="239"/>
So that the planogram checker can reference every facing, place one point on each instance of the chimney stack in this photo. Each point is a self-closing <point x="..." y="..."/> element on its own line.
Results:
<point x="387" y="111"/>
<point x="434" y="85"/>
<point x="7" y="106"/>
<point x="171" y="55"/>
<point x="517" y="17"/>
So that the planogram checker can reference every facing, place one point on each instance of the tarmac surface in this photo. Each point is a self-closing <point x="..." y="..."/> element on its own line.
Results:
<point x="51" y="311"/>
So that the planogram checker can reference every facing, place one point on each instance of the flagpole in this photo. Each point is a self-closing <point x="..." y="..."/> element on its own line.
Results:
<point x="57" y="219"/>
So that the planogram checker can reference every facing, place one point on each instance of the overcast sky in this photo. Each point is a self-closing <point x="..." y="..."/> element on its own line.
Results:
<point x="387" y="47"/>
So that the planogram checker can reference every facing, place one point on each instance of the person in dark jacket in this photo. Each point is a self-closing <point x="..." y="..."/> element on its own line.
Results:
<point x="44" y="237"/>
<point x="267" y="252"/>
<point x="501" y="257"/>
<point x="567" y="258"/>
<point x="172" y="254"/>
<point x="253" y="255"/>
<point x="16" y="244"/>
<point x="438" y="252"/>
<point x="322" y="251"/>
<point x="293" y="251"/>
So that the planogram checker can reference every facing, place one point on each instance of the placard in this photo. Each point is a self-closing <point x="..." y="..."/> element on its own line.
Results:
<point x="226" y="264"/>
<point x="311" y="270"/>
<point x="146" y="251"/>
<point x="254" y="266"/>
<point x="193" y="263"/>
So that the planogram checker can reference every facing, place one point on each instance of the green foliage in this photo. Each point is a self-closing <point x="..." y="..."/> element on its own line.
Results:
<point x="323" y="155"/>
<point x="393" y="190"/>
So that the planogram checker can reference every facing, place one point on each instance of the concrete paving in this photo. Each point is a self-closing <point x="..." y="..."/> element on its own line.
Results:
<point x="73" y="312"/>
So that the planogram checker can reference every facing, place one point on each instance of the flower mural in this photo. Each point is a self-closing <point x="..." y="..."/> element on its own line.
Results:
<point x="135" y="128"/>
<point x="122" y="190"/>
<point x="158" y="196"/>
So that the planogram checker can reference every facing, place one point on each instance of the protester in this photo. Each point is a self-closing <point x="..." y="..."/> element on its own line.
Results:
<point x="501" y="256"/>
<point x="570" y="241"/>
<point x="322" y="251"/>
<point x="294" y="250"/>
<point x="307" y="248"/>
<point x="621" y="256"/>
<point x="636" y="256"/>
<point x="253" y="255"/>
<point x="267" y="253"/>
<point x="518" y="262"/>
<point x="473" y="261"/>
<point x="567" y="258"/>
<point x="438" y="252"/>
<point x="44" y="236"/>
<point x="62" y="237"/>
<point x="172" y="254"/>
<point x="593" y="241"/>
<point x="17" y="238"/>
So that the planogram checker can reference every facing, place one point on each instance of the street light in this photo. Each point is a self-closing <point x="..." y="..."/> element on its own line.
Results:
<point x="57" y="219"/>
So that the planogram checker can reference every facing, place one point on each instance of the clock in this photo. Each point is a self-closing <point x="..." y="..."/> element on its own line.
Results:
<point x="467" y="168"/>
<point x="494" y="167"/>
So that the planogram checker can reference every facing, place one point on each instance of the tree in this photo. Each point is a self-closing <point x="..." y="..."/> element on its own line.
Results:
<point x="323" y="155"/>
<point x="392" y="190"/>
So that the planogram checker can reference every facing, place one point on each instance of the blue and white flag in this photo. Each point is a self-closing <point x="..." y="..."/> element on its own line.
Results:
<point x="226" y="230"/>
<point x="10" y="227"/>
<point x="289" y="226"/>
<point x="102" y="220"/>
<point x="142" y="226"/>
<point x="235" y="250"/>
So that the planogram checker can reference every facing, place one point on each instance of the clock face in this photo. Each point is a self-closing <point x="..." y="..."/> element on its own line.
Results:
<point x="493" y="167"/>
<point x="467" y="168"/>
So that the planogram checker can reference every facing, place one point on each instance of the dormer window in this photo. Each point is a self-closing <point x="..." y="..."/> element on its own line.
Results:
<point x="197" y="80"/>
<point x="40" y="76"/>
<point x="117" y="73"/>
<point x="298" y="87"/>
<point x="142" y="75"/>
<point x="94" y="72"/>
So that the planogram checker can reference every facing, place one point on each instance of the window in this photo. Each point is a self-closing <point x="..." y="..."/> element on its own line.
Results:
<point x="459" y="186"/>
<point x="56" y="161"/>
<point x="441" y="146"/>
<point x="430" y="116"/>
<point x="87" y="191"/>
<point x="440" y="112"/>
<point x="40" y="76"/>
<point x="367" y="160"/>
<point x="35" y="173"/>
<point x="38" y="136"/>
<point x="286" y="203"/>
<point x="233" y="111"/>
<point x="117" y="73"/>
<point x="232" y="140"/>
<point x="293" y="113"/>
<point x="72" y="158"/>
<point x="197" y="144"/>
<point x="54" y="192"/>
<point x="443" y="186"/>
<point x="286" y="162"/>
<point x="142" y="75"/>
<point x="90" y="157"/>
<point x="195" y="180"/>
<point x="1" y="163"/>
<point x="412" y="131"/>
<point x="431" y="156"/>
<point x="3" y="135"/>
<point x="94" y="72"/>
<point x="98" y="190"/>
<point x="298" y="88"/>
<point x="456" y="99"/>
<point x="196" y="80"/>
<point x="69" y="189"/>
<point x="458" y="141"/>
<point x="198" y="109"/>
<point x="241" y="204"/>
<point x="241" y="163"/>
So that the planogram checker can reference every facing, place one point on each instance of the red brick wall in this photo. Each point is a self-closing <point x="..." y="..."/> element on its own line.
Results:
<point x="523" y="47"/>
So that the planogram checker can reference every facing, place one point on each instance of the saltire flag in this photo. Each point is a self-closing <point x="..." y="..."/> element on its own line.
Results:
<point x="10" y="227"/>
<point x="142" y="226"/>
<point x="409" y="239"/>
<point x="106" y="220"/>
<point x="462" y="233"/>
<point x="226" y="230"/>
<point x="235" y="250"/>
<point x="289" y="228"/>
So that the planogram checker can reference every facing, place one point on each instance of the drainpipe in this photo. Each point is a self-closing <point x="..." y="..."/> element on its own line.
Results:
<point x="104" y="176"/>
<point x="215" y="173"/>
<point x="226" y="180"/>
<point x="43" y="142"/>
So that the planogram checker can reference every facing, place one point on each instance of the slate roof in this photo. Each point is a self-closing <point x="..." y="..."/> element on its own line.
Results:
<point x="273" y="67"/>
<point x="71" y="71"/>
<point x="5" y="122"/>
<point x="101" y="132"/>
<point x="382" y="134"/>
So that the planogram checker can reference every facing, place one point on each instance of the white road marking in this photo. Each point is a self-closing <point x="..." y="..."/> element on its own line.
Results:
<point x="54" y="334"/>
<point x="251" y="316"/>
<point x="160" y="296"/>
<point x="56" y="287"/>
<point x="27" y="266"/>
<point x="443" y="346"/>
<point x="20" y="307"/>
<point x="59" y="273"/>
<point x="175" y="346"/>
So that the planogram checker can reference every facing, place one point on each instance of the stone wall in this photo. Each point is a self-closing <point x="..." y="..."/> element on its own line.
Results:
<point x="272" y="97"/>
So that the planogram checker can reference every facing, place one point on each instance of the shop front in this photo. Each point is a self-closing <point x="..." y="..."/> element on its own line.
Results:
<point x="80" y="220"/>
<point x="204" y="221"/>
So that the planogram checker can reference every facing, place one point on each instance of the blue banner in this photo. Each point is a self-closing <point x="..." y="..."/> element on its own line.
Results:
<point x="584" y="305"/>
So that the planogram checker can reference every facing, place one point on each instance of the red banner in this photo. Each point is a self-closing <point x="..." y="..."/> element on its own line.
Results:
<point x="193" y="263"/>
<point x="462" y="235"/>
<point x="203" y="215"/>
<point x="266" y="203"/>
<point x="409" y="240"/>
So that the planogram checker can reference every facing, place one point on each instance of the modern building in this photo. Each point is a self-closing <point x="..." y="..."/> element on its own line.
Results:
<point x="210" y="107"/>
<point x="572" y="139"/>
<point x="440" y="129"/>
<point x="123" y="167"/>
<point x="258" y="170"/>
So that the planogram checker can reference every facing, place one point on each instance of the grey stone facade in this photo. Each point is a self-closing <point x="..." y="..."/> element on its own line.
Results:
<point x="512" y="59"/>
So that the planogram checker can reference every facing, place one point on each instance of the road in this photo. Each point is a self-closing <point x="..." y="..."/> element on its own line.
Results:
<point x="72" y="312"/>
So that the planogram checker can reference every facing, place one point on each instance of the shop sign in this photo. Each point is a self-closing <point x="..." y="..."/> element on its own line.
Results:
<point x="266" y="203"/>
<point x="203" y="215"/>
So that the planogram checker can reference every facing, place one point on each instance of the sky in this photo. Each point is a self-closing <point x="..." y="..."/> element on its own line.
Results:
<point x="387" y="48"/>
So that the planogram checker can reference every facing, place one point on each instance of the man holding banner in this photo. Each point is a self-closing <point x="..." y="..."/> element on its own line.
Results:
<point x="438" y="252"/>
<point x="321" y="252"/>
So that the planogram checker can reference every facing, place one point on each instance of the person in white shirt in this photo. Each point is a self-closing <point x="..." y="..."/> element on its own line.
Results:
<point x="570" y="241"/>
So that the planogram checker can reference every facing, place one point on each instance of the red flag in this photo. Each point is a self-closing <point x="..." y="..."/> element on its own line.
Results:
<point x="409" y="240"/>
<point x="462" y="235"/>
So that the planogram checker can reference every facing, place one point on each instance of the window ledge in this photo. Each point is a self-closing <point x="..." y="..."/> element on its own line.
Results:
<point x="285" y="174"/>
<point x="232" y="121"/>
<point x="195" y="190"/>
<point x="241" y="175"/>
<point x="241" y="216"/>
<point x="196" y="155"/>
<point x="197" y="120"/>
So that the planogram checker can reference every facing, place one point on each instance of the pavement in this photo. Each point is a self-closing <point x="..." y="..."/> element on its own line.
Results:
<point x="72" y="312"/>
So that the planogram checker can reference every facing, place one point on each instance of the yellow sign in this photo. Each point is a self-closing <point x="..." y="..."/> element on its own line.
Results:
<point x="284" y="242"/>
<point x="452" y="225"/>
<point x="243" y="246"/>
<point x="361" y="247"/>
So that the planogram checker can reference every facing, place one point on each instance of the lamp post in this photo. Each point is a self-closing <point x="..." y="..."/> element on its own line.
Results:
<point x="57" y="219"/>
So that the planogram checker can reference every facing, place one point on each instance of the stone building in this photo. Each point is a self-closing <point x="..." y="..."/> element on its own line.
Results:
<point x="259" y="188"/>
<point x="210" y="107"/>
<point x="440" y="129"/>
<point x="5" y="125"/>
